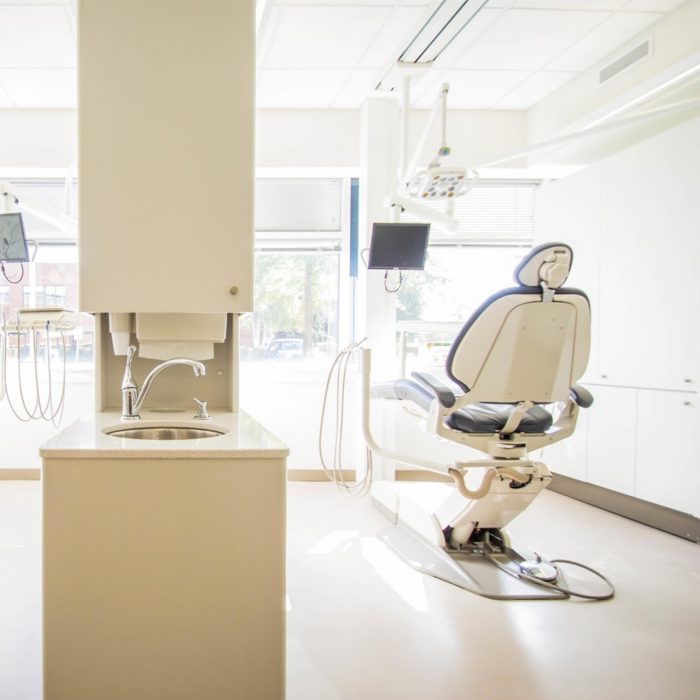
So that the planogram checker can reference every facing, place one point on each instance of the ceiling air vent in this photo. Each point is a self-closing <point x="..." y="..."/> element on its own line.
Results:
<point x="627" y="60"/>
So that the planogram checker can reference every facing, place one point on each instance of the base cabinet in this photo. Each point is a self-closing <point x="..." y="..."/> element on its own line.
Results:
<point x="667" y="460"/>
<point x="611" y="439"/>
<point x="164" y="579"/>
<point x="640" y="442"/>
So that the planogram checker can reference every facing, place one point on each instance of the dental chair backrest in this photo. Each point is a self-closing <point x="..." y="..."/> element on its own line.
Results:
<point x="526" y="343"/>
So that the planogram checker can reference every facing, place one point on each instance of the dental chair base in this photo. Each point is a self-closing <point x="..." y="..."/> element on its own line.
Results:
<point x="488" y="565"/>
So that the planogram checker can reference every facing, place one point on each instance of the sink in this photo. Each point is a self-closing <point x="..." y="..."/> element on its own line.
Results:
<point x="164" y="432"/>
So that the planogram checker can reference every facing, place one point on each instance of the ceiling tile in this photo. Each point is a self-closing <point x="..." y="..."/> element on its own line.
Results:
<point x="325" y="37"/>
<point x="391" y="39"/>
<point x="604" y="39"/>
<point x="294" y="89"/>
<point x="35" y="36"/>
<point x="389" y="3"/>
<point x="478" y="25"/>
<point x="528" y="39"/>
<point x="41" y="87"/>
<point x="472" y="89"/>
<point x="356" y="89"/>
<point x="608" y="5"/>
<point x="532" y="90"/>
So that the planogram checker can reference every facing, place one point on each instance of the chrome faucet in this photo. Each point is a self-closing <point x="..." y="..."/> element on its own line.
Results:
<point x="132" y="400"/>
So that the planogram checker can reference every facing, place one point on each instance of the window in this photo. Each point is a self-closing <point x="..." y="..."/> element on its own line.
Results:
<point x="299" y="231"/>
<point x="38" y="288"/>
<point x="296" y="306"/>
<point x="462" y="269"/>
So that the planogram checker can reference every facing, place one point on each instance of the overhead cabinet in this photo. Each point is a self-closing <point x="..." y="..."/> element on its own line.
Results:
<point x="166" y="165"/>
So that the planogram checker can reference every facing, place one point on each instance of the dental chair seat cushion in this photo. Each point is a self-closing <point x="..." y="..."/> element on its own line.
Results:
<point x="491" y="417"/>
<point x="476" y="418"/>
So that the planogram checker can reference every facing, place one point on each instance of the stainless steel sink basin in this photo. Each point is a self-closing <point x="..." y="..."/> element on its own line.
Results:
<point x="165" y="433"/>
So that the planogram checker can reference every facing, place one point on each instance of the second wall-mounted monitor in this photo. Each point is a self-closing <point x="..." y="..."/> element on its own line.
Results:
<point x="13" y="242"/>
<point x="398" y="246"/>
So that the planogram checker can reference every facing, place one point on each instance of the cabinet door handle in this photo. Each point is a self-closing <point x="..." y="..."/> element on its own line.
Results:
<point x="687" y="403"/>
<point x="233" y="291"/>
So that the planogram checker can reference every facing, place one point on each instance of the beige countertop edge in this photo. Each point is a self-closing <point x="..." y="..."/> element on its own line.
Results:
<point x="87" y="453"/>
<point x="88" y="438"/>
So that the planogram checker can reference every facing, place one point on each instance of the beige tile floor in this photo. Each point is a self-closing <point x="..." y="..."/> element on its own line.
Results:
<point x="363" y="626"/>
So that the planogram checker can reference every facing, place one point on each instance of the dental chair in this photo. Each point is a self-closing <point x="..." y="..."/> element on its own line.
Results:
<point x="513" y="371"/>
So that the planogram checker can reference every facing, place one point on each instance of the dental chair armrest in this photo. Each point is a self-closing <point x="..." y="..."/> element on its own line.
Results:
<point x="581" y="396"/>
<point x="444" y="395"/>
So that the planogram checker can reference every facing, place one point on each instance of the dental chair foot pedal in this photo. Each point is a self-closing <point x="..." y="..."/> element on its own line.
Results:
<point x="469" y="570"/>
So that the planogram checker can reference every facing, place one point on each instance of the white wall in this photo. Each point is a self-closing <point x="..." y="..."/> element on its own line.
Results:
<point x="288" y="138"/>
<point x="632" y="220"/>
<point x="36" y="139"/>
<point x="41" y="139"/>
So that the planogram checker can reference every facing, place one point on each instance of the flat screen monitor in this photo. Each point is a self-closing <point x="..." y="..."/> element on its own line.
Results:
<point x="398" y="246"/>
<point x="13" y="242"/>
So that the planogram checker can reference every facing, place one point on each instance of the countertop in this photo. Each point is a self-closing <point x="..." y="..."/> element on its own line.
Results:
<point x="244" y="438"/>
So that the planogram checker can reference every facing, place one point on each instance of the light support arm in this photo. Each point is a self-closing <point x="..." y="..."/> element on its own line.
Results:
<point x="39" y="209"/>
<point x="398" y="201"/>
<point x="439" y="110"/>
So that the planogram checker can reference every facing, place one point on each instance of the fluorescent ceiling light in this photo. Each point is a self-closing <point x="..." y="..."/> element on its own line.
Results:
<point x="441" y="28"/>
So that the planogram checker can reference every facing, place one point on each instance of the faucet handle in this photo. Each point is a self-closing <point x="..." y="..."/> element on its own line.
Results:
<point x="202" y="413"/>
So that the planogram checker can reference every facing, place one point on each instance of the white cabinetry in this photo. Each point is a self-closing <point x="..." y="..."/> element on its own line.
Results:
<point x="632" y="222"/>
<point x="568" y="457"/>
<point x="611" y="438"/>
<point x="648" y="299"/>
<point x="166" y="131"/>
<point x="667" y="465"/>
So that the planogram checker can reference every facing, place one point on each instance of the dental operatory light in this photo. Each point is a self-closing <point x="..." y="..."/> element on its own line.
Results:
<point x="419" y="185"/>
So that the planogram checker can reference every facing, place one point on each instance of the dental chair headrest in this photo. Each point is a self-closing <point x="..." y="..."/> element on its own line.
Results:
<point x="549" y="263"/>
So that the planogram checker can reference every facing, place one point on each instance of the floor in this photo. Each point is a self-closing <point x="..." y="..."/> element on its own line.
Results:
<point x="364" y="626"/>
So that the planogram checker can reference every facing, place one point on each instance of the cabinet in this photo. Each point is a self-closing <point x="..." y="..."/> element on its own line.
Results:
<point x="166" y="135"/>
<point x="611" y="438"/>
<point x="667" y="465"/>
<point x="569" y="457"/>
<point x="649" y="198"/>
<point x="569" y="211"/>
<point x="164" y="566"/>
<point x="641" y="442"/>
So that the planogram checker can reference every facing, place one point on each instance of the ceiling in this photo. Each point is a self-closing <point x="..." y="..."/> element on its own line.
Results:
<point x="331" y="53"/>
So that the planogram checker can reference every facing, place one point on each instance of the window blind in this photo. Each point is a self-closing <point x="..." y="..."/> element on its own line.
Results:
<point x="52" y="193"/>
<point x="298" y="205"/>
<point x="491" y="212"/>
